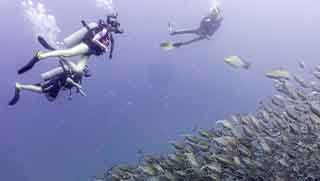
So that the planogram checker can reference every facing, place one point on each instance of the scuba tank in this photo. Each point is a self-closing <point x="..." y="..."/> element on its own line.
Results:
<point x="76" y="37"/>
<point x="53" y="72"/>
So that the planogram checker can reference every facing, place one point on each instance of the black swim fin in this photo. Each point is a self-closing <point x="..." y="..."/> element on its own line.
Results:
<point x="44" y="43"/>
<point x="15" y="98"/>
<point x="29" y="65"/>
<point x="35" y="59"/>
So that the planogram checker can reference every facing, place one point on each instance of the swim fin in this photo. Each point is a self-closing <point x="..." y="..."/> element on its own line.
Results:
<point x="167" y="46"/>
<point x="35" y="59"/>
<point x="44" y="43"/>
<point x="29" y="65"/>
<point x="16" y="97"/>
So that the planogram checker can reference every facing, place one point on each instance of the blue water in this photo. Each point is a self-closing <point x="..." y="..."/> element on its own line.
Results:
<point x="144" y="97"/>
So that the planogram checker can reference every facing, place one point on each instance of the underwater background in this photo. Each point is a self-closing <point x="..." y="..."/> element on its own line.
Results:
<point x="144" y="96"/>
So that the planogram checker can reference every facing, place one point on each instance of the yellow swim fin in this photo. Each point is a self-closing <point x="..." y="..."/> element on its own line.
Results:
<point x="167" y="46"/>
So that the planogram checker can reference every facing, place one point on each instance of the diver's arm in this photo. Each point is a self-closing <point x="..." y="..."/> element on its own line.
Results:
<point x="78" y="68"/>
<point x="112" y="46"/>
<point x="98" y="36"/>
<point x="78" y="86"/>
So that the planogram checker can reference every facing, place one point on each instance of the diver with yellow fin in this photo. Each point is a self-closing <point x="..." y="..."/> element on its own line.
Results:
<point x="92" y="39"/>
<point x="208" y="26"/>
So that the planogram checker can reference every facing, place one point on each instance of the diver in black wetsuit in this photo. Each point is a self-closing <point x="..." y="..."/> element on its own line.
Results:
<point x="66" y="80"/>
<point x="208" y="26"/>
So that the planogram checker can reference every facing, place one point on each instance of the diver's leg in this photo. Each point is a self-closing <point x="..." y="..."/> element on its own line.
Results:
<point x="77" y="50"/>
<point x="31" y="87"/>
<point x="180" y="32"/>
<point x="19" y="87"/>
<point x="80" y="66"/>
<point x="179" y="44"/>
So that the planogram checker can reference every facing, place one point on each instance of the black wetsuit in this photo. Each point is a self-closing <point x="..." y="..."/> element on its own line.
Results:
<point x="209" y="25"/>
<point x="52" y="87"/>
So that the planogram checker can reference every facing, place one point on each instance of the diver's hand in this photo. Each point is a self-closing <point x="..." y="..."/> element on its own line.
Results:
<point x="110" y="56"/>
<point x="81" y="92"/>
<point x="104" y="47"/>
<point x="79" y="88"/>
<point x="101" y="45"/>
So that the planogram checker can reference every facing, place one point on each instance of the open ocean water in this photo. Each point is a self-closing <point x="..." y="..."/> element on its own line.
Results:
<point x="144" y="96"/>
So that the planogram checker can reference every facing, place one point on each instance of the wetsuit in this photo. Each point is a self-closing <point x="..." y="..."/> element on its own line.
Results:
<point x="95" y="42"/>
<point x="208" y="26"/>
<point x="52" y="87"/>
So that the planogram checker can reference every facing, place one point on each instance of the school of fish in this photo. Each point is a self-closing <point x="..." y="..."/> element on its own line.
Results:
<point x="279" y="142"/>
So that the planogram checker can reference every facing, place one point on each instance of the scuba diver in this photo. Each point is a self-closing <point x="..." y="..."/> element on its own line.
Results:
<point x="92" y="39"/>
<point x="208" y="26"/>
<point x="55" y="80"/>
